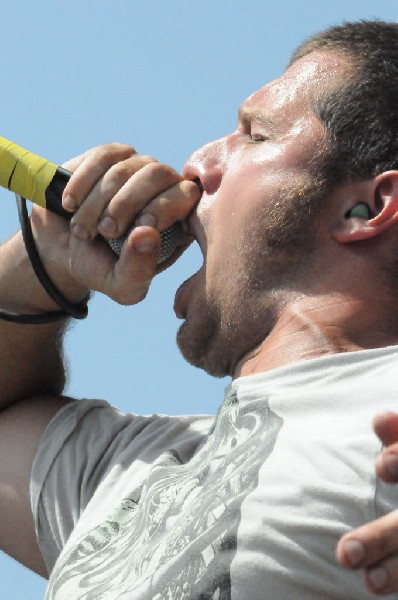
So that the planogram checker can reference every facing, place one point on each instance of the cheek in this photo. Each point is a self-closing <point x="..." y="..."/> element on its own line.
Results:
<point x="247" y="190"/>
<point x="228" y="214"/>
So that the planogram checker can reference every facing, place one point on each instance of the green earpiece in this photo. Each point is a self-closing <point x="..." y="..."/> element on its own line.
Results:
<point x="361" y="210"/>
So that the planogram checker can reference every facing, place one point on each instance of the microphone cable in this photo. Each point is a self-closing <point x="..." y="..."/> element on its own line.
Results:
<point x="77" y="311"/>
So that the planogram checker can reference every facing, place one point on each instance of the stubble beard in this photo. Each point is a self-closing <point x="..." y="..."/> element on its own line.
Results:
<point x="273" y="257"/>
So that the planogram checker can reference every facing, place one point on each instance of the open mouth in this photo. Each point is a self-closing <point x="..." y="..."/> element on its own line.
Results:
<point x="193" y="228"/>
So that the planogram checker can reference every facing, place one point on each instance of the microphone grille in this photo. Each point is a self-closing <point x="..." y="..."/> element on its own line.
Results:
<point x="169" y="239"/>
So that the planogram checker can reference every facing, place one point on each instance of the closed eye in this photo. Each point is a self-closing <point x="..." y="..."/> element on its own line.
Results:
<point x="258" y="137"/>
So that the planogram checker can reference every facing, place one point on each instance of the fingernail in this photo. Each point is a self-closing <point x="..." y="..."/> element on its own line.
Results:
<point x="80" y="232"/>
<point x="391" y="464"/>
<point x="145" y="244"/>
<point x="354" y="552"/>
<point x="69" y="202"/>
<point x="378" y="577"/>
<point x="108" y="225"/>
<point x="146" y="219"/>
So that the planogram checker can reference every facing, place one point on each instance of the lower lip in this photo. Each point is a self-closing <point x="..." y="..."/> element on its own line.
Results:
<point x="179" y="303"/>
<point x="181" y="298"/>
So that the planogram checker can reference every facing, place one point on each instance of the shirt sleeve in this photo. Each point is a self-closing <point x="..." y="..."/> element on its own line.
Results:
<point x="88" y="448"/>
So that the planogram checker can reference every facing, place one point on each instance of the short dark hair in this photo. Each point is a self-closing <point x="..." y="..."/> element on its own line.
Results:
<point x="361" y="114"/>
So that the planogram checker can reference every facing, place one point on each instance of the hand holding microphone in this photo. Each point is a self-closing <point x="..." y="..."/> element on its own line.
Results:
<point x="43" y="182"/>
<point x="111" y="188"/>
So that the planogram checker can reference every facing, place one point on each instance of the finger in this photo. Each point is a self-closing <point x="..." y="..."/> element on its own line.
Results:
<point x="386" y="427"/>
<point x="85" y="221"/>
<point x="382" y="579"/>
<point x="96" y="162"/>
<point x="73" y="163"/>
<point x="77" y="266"/>
<point x="147" y="183"/>
<point x="129" y="282"/>
<point x="387" y="464"/>
<point x="369" y="544"/>
<point x="173" y="205"/>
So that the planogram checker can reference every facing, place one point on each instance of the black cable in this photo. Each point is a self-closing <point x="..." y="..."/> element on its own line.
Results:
<point x="77" y="311"/>
<point x="28" y="319"/>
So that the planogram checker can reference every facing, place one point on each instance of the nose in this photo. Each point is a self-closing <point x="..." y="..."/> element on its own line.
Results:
<point x="207" y="164"/>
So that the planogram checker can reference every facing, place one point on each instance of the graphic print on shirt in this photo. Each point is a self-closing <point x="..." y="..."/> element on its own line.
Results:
<point x="178" y="540"/>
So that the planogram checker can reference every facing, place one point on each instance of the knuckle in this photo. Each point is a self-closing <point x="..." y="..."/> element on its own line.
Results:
<point x="162" y="174"/>
<point x="146" y="159"/>
<point x="120" y="148"/>
<point x="106" y="153"/>
<point x="102" y="154"/>
<point x="119" y="172"/>
<point x="124" y="169"/>
<point x="155" y="170"/>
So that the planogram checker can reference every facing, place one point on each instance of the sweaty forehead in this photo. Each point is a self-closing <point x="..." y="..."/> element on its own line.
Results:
<point x="291" y="94"/>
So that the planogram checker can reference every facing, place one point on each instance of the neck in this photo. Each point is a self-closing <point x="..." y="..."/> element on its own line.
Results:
<point x="315" y="326"/>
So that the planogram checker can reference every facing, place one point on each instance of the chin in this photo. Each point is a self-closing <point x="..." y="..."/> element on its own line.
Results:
<point x="200" y="347"/>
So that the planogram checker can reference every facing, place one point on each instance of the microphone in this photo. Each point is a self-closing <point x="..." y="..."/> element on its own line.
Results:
<point x="43" y="182"/>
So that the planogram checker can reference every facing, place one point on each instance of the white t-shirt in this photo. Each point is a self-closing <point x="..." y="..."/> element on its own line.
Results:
<point x="152" y="508"/>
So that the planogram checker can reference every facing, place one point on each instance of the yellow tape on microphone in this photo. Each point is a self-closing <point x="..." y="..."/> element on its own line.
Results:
<point x="25" y="173"/>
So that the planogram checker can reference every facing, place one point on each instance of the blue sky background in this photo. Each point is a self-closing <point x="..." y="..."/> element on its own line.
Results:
<point x="165" y="76"/>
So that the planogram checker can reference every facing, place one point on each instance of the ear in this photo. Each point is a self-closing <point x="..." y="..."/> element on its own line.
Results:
<point x="381" y="196"/>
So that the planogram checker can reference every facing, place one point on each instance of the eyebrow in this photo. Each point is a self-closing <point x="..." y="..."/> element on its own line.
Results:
<point x="247" y="115"/>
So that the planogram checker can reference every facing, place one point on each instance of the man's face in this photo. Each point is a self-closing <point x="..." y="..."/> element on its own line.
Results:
<point x="255" y="220"/>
